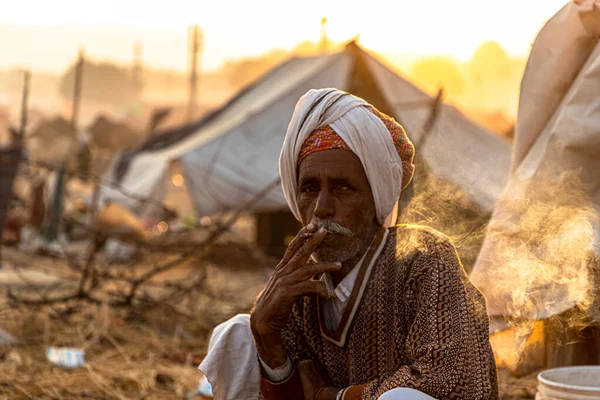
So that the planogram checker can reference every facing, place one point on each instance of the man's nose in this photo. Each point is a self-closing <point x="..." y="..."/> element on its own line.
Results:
<point x="324" y="208"/>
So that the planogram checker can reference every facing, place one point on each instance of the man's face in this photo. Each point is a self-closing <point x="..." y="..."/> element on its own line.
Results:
<point x="332" y="185"/>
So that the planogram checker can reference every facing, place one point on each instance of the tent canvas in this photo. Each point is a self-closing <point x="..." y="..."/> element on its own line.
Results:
<point x="177" y="196"/>
<point x="540" y="257"/>
<point x="232" y="154"/>
<point x="556" y="152"/>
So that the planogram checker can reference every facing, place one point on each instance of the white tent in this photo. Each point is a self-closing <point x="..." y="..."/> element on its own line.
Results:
<point x="542" y="244"/>
<point x="554" y="179"/>
<point x="231" y="155"/>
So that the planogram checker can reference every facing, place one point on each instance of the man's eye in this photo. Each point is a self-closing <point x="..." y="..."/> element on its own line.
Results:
<point x="343" y="188"/>
<point x="308" y="189"/>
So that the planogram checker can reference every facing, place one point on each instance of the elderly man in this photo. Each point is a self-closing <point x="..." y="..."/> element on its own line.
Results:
<point x="359" y="307"/>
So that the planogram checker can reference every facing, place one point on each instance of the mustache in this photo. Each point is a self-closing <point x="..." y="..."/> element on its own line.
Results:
<point x="332" y="227"/>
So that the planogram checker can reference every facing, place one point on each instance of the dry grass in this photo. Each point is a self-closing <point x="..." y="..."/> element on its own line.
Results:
<point x="129" y="355"/>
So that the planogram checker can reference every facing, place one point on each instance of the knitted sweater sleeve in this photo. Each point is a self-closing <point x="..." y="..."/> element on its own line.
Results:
<point x="447" y="347"/>
<point x="293" y="335"/>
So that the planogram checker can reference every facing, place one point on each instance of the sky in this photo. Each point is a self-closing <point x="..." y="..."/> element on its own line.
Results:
<point x="45" y="35"/>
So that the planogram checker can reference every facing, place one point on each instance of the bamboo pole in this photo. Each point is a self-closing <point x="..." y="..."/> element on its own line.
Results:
<point x="77" y="90"/>
<point x="24" y="102"/>
<point x="196" y="45"/>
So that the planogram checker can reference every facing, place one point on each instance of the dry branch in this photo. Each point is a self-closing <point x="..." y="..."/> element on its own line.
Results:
<point x="133" y="286"/>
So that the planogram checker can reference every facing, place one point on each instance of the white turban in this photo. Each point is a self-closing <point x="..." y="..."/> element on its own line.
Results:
<point x="363" y="131"/>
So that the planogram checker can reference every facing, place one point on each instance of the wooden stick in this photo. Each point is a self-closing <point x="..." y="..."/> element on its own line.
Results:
<point x="77" y="90"/>
<point x="196" y="44"/>
<point x="26" y="80"/>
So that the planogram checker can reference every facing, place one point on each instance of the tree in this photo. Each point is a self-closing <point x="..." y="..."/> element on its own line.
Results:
<point x="489" y="62"/>
<point x="494" y="77"/>
<point x="103" y="82"/>
<point x="433" y="73"/>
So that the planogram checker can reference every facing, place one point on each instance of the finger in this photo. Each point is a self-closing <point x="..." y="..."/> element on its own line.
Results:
<point x="309" y="270"/>
<point x="302" y="236"/>
<point x="308" y="288"/>
<point x="300" y="241"/>
<point x="303" y="254"/>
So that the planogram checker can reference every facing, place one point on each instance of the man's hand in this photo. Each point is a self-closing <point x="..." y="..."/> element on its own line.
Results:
<point x="316" y="384"/>
<point x="290" y="280"/>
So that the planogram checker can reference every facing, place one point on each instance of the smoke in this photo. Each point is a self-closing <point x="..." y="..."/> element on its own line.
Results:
<point x="538" y="258"/>
<point x="534" y="262"/>
<point x="447" y="208"/>
<point x="542" y="241"/>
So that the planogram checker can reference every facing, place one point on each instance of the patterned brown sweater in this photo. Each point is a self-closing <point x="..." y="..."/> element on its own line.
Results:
<point x="418" y="322"/>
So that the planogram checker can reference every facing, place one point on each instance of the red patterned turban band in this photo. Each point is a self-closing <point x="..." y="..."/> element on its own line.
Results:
<point x="325" y="138"/>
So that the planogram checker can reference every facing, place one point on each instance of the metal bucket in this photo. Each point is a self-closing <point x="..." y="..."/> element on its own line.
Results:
<point x="569" y="383"/>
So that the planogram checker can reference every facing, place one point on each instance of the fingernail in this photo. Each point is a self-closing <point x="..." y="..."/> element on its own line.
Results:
<point x="310" y="227"/>
<point x="339" y="264"/>
<point x="321" y="229"/>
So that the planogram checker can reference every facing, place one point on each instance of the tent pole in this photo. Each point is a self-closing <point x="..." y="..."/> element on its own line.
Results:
<point x="433" y="114"/>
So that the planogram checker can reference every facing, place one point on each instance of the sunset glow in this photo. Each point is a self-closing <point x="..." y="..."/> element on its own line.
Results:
<point x="52" y="31"/>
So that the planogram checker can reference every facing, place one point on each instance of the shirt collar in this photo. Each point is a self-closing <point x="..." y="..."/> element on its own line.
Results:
<point x="344" y="288"/>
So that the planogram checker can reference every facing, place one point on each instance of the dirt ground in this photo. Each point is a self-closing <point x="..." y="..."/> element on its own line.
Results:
<point x="137" y="354"/>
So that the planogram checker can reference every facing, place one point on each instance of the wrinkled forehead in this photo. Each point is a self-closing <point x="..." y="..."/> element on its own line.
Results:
<point x="332" y="164"/>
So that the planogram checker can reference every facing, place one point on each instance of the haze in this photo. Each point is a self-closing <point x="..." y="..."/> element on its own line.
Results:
<point x="475" y="51"/>
<point x="45" y="35"/>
